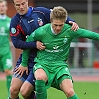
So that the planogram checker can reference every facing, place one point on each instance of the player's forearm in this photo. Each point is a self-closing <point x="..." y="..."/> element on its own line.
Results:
<point x="86" y="34"/>
<point x="25" y="56"/>
<point x="18" y="43"/>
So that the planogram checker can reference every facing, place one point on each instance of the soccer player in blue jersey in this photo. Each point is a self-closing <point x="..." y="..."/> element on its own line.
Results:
<point x="51" y="69"/>
<point x="23" y="24"/>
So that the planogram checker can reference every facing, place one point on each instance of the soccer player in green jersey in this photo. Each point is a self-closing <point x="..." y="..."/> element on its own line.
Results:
<point x="5" y="51"/>
<point x="51" y="69"/>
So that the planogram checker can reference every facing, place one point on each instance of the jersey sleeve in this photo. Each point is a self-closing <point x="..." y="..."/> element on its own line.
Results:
<point x="69" y="19"/>
<point x="45" y="11"/>
<point x="25" y="54"/>
<point x="83" y="33"/>
<point x="36" y="35"/>
<point x="18" y="36"/>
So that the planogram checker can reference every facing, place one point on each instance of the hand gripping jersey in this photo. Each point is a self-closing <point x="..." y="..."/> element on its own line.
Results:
<point x="23" y="25"/>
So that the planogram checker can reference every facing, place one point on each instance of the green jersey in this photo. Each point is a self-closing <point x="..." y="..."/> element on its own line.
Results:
<point x="57" y="46"/>
<point x="5" y="51"/>
<point x="4" y="31"/>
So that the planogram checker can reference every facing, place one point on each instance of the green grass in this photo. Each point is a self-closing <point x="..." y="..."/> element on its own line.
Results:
<point x="90" y="88"/>
<point x="3" y="90"/>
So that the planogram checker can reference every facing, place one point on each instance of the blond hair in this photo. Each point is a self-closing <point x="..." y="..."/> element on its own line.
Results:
<point x="3" y="1"/>
<point x="58" y="13"/>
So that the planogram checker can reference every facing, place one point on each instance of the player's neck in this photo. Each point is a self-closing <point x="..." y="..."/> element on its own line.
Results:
<point x="2" y="16"/>
<point x="53" y="31"/>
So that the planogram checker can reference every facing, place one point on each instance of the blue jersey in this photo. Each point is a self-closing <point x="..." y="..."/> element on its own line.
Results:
<point x="23" y="25"/>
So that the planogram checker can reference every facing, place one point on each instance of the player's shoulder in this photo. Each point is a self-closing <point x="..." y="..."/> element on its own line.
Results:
<point x="43" y="28"/>
<point x="8" y="18"/>
<point x="41" y="9"/>
<point x="15" y="18"/>
<point x="67" y="26"/>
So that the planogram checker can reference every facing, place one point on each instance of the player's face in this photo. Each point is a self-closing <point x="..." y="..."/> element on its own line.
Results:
<point x="57" y="25"/>
<point x="21" y="6"/>
<point x="3" y="8"/>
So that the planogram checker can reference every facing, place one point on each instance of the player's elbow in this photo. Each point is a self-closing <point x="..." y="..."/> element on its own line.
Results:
<point x="15" y="45"/>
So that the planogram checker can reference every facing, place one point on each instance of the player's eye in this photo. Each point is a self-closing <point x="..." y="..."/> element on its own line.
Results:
<point x="23" y="3"/>
<point x="17" y="5"/>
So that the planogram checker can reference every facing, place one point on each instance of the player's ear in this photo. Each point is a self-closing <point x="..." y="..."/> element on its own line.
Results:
<point x="6" y="8"/>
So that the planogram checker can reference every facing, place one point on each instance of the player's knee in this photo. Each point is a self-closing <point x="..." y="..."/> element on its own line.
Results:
<point x="41" y="77"/>
<point x="8" y="72"/>
<point x="24" y="93"/>
<point x="70" y="92"/>
<point x="14" y="90"/>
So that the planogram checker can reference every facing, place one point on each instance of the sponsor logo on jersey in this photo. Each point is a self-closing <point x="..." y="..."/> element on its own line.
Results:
<point x="40" y="22"/>
<point x="46" y="43"/>
<point x="54" y="51"/>
<point x="55" y="47"/>
<point x="13" y="30"/>
<point x="30" y="21"/>
<point x="3" y="32"/>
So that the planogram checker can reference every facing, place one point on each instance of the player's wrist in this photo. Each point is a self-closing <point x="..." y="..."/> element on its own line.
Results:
<point x="24" y="64"/>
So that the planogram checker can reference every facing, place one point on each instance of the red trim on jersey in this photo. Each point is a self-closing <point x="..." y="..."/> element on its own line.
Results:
<point x="18" y="30"/>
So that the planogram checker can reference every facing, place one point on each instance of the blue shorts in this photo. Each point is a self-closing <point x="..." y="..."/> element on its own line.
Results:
<point x="30" y="77"/>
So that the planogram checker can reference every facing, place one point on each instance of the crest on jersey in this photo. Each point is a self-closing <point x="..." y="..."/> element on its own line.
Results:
<point x="65" y="40"/>
<point x="13" y="30"/>
<point x="40" y="22"/>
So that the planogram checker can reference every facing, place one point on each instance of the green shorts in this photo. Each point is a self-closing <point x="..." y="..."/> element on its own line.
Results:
<point x="54" y="77"/>
<point x="5" y="59"/>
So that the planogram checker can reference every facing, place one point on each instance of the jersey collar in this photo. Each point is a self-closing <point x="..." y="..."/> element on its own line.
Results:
<point x="29" y="12"/>
<point x="3" y="17"/>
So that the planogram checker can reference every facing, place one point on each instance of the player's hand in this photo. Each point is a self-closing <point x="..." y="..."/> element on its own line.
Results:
<point x="74" y="25"/>
<point x="20" y="70"/>
<point x="40" y="45"/>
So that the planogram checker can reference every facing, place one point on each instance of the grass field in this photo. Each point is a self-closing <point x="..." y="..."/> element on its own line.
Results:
<point x="90" y="88"/>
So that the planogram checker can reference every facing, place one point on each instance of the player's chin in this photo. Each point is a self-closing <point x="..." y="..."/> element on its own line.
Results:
<point x="57" y="32"/>
<point x="21" y="13"/>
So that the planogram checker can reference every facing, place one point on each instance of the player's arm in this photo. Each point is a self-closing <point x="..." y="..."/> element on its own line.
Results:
<point x="84" y="33"/>
<point x="23" y="67"/>
<point x="36" y="35"/>
<point x="18" y="36"/>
